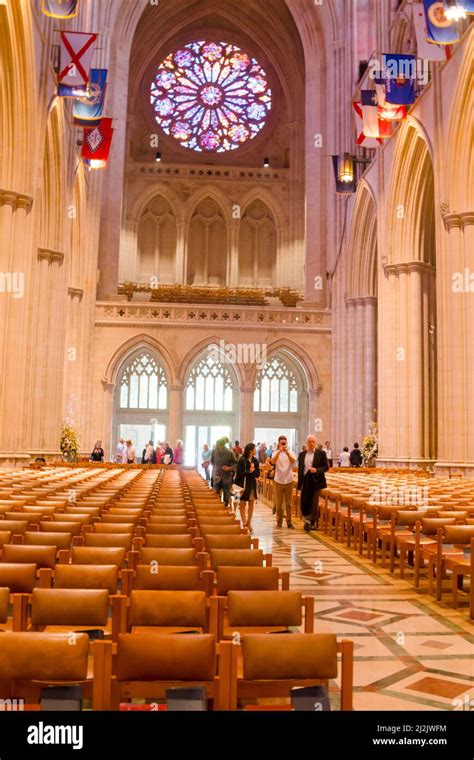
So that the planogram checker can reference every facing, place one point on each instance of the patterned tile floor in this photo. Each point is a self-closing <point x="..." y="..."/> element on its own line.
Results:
<point x="411" y="653"/>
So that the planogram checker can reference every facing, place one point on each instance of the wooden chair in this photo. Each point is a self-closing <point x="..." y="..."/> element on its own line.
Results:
<point x="16" y="528"/>
<point x="237" y="558"/>
<point x="461" y="568"/>
<point x="163" y="541"/>
<point x="450" y="551"/>
<point x="172" y="578"/>
<point x="173" y="611"/>
<point x="31" y="661"/>
<point x="424" y="538"/>
<point x="231" y="578"/>
<point x="264" y="612"/>
<point x="87" y="576"/>
<point x="177" y="557"/>
<point x="61" y="610"/>
<point x="309" y="659"/>
<point x="145" y="666"/>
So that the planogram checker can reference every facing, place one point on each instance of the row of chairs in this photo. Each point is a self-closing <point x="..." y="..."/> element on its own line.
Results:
<point x="436" y="534"/>
<point x="185" y="566"/>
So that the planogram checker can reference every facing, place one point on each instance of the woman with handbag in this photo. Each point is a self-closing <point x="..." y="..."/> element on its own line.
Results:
<point x="248" y="470"/>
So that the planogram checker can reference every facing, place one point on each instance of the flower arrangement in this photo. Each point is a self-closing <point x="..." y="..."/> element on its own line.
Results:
<point x="370" y="446"/>
<point x="69" y="443"/>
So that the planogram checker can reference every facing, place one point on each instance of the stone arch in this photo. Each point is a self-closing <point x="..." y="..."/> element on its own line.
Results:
<point x="193" y="355"/>
<point x="132" y="345"/>
<point x="410" y="207"/>
<point x="458" y="178"/>
<point x="361" y="277"/>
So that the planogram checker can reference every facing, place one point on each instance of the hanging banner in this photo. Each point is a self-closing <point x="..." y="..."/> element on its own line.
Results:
<point x="362" y="140"/>
<point x="75" y="58"/>
<point x="62" y="9"/>
<point x="428" y="51"/>
<point x="399" y="74"/>
<point x="372" y="124"/>
<point x="439" y="29"/>
<point x="87" y="111"/>
<point x="97" y="143"/>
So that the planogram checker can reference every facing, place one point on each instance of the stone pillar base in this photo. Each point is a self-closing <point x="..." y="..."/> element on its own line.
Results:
<point x="14" y="459"/>
<point x="450" y="469"/>
<point x="393" y="463"/>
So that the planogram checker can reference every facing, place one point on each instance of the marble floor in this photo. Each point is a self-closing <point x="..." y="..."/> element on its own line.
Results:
<point x="410" y="652"/>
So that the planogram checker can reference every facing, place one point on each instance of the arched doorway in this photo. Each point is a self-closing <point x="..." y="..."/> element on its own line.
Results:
<point x="281" y="401"/>
<point x="141" y="400"/>
<point x="211" y="405"/>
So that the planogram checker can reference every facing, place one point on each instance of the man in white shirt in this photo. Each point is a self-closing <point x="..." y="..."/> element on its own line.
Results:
<point x="283" y="459"/>
<point x="327" y="449"/>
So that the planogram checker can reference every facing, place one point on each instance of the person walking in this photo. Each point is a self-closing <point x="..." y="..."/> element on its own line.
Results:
<point x="97" y="453"/>
<point x="149" y="453"/>
<point x="224" y="465"/>
<point x="312" y="465"/>
<point x="262" y="453"/>
<point x="121" y="452"/>
<point x="178" y="452"/>
<point x="131" y="453"/>
<point x="283" y="460"/>
<point x="328" y="450"/>
<point x="206" y="462"/>
<point x="167" y="454"/>
<point x="356" y="456"/>
<point x="247" y="472"/>
<point x="237" y="449"/>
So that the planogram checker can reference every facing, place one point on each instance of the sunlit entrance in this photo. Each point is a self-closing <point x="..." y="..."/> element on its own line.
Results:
<point x="197" y="436"/>
<point x="271" y="435"/>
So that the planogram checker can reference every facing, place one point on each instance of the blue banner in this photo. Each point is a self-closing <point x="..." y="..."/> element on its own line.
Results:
<point x="399" y="72"/>
<point x="88" y="110"/>
<point x="440" y="29"/>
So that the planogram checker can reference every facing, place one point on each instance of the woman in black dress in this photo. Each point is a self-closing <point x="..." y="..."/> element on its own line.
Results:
<point x="248" y="471"/>
<point x="98" y="453"/>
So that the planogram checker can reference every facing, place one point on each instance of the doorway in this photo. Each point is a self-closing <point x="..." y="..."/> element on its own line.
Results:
<point x="195" y="438"/>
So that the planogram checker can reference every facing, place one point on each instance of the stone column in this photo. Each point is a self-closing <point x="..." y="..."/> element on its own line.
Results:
<point x="350" y="374"/>
<point x="175" y="424"/>
<point x="233" y="238"/>
<point x="108" y="435"/>
<point x="15" y="297"/>
<point x="180" y="271"/>
<point x="416" y="387"/>
<point x="358" y="388"/>
<point x="314" y="415"/>
<point x="467" y="220"/>
<point x="387" y="368"/>
<point x="246" y="421"/>
<point x="370" y="361"/>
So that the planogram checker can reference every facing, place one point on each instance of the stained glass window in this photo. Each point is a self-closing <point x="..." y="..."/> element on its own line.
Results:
<point x="209" y="386"/>
<point x="211" y="96"/>
<point x="276" y="389"/>
<point x="143" y="384"/>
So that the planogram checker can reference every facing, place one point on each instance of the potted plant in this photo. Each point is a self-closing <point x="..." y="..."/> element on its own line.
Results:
<point x="69" y="443"/>
<point x="370" y="446"/>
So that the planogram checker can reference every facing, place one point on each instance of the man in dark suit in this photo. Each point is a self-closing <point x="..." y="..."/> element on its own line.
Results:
<point x="312" y="464"/>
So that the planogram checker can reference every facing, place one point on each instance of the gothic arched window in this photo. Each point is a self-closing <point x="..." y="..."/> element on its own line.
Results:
<point x="276" y="388"/>
<point x="209" y="386"/>
<point x="143" y="384"/>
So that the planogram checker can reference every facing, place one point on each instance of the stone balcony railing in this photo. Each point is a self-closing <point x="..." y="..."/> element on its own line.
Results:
<point x="301" y="318"/>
